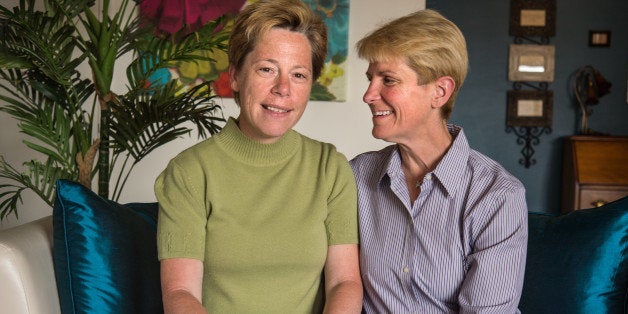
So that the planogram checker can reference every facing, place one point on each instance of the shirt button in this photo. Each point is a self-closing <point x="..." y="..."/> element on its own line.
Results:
<point x="405" y="270"/>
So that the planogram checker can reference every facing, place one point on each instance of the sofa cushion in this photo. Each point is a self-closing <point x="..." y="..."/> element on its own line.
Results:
<point x="577" y="262"/>
<point x="27" y="281"/>
<point x="105" y="253"/>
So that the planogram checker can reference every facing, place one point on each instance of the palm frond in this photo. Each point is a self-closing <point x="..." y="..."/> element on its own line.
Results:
<point x="8" y="60"/>
<point x="142" y="124"/>
<point x="40" y="41"/>
<point x="46" y="115"/>
<point x="54" y="106"/>
<point x="69" y="8"/>
<point x="39" y="178"/>
<point x="10" y="199"/>
<point x="106" y="39"/>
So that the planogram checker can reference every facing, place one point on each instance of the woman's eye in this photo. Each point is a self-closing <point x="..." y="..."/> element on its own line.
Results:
<point x="389" y="81"/>
<point x="266" y="71"/>
<point x="300" y="76"/>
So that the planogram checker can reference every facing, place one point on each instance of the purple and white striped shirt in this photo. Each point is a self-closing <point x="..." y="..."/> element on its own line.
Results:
<point x="459" y="248"/>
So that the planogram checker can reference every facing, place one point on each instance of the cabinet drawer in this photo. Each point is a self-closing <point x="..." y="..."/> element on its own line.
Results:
<point x="597" y="196"/>
<point x="595" y="171"/>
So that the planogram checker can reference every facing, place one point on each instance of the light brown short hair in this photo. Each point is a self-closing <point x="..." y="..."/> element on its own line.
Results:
<point x="432" y="46"/>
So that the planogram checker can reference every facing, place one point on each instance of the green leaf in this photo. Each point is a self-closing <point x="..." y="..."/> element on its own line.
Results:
<point x="8" y="61"/>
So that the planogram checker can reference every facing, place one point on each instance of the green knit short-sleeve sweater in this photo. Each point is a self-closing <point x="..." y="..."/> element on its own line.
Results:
<point x="259" y="216"/>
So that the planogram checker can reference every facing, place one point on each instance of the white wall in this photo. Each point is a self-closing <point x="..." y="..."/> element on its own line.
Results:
<point x="345" y="124"/>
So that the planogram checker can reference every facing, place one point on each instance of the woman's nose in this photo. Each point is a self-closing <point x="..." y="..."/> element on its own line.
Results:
<point x="282" y="85"/>
<point x="371" y="94"/>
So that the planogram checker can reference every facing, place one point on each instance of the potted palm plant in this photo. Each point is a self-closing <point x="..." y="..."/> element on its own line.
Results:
<point x="76" y="122"/>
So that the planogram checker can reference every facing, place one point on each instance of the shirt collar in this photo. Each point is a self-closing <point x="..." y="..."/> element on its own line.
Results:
<point x="455" y="160"/>
<point x="242" y="148"/>
<point x="448" y="170"/>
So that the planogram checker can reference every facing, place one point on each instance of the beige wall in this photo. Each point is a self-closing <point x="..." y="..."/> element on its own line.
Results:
<point x="345" y="124"/>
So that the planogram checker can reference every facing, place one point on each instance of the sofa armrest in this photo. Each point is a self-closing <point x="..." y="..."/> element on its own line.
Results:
<point x="26" y="269"/>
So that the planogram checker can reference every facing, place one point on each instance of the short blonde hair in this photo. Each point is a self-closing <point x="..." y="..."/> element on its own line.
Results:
<point x="432" y="46"/>
<point x="258" y="18"/>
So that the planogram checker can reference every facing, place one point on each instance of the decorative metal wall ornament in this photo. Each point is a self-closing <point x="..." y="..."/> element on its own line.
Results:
<point x="528" y="137"/>
<point x="539" y="86"/>
<point x="529" y="112"/>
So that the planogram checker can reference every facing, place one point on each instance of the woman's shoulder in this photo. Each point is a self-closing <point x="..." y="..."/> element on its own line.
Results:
<point x="372" y="164"/>
<point x="196" y="158"/>
<point x="491" y="174"/>
<point x="373" y="158"/>
<point x="320" y="147"/>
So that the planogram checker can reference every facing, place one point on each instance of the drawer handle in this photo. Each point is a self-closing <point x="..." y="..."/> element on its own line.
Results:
<point x="598" y="203"/>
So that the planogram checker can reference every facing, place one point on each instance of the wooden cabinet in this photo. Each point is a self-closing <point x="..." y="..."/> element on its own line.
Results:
<point x="595" y="171"/>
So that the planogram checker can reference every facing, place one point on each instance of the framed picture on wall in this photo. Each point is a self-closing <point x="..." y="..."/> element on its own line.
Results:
<point x="532" y="18"/>
<point x="532" y="63"/>
<point x="599" y="38"/>
<point x="529" y="108"/>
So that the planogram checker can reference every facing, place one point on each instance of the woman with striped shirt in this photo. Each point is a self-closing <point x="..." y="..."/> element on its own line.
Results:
<point x="443" y="228"/>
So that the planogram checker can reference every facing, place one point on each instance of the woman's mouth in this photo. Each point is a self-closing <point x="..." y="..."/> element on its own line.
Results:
<point x="382" y="113"/>
<point x="274" y="109"/>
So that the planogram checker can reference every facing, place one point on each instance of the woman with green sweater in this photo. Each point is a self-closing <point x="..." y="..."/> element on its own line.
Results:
<point x="260" y="218"/>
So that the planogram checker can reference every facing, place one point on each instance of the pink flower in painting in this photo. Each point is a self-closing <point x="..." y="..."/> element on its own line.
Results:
<point x="172" y="15"/>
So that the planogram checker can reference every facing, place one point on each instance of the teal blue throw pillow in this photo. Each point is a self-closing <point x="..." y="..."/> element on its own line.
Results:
<point x="105" y="253"/>
<point x="577" y="262"/>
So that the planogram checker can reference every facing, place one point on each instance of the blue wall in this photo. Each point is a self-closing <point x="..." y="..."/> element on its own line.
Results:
<point x="481" y="104"/>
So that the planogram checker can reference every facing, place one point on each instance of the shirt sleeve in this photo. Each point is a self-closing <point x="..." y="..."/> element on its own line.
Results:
<point x="496" y="267"/>
<point x="182" y="217"/>
<point x="342" y="221"/>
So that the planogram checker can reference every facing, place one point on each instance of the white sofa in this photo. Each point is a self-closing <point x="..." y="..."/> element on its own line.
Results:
<point x="27" y="278"/>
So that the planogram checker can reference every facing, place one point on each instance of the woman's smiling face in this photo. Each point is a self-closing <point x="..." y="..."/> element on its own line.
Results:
<point x="274" y="85"/>
<point x="400" y="106"/>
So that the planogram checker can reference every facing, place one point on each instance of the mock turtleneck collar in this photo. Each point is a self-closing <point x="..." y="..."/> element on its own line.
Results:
<point x="246" y="150"/>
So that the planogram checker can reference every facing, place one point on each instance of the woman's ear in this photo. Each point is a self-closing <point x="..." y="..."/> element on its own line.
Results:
<point x="444" y="88"/>
<point x="233" y="78"/>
